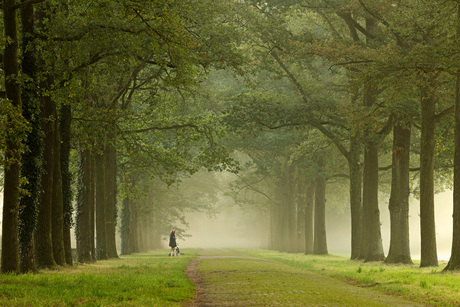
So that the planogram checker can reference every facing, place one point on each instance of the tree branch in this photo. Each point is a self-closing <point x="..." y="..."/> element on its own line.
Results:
<point x="399" y="39"/>
<point x="444" y="113"/>
<point x="25" y="3"/>
<point x="173" y="127"/>
<point x="290" y="75"/>
<point x="355" y="25"/>
<point x="351" y="62"/>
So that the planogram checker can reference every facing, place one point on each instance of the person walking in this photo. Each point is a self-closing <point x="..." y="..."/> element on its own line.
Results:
<point x="172" y="242"/>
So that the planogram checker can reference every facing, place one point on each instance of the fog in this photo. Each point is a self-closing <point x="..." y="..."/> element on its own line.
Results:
<point x="339" y="236"/>
<point x="233" y="228"/>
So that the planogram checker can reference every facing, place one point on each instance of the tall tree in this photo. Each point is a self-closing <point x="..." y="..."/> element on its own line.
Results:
<point x="67" y="195"/>
<point x="399" y="251"/>
<point x="101" y="216"/>
<point x="320" y="239"/>
<point x="429" y="256"/>
<point x="454" y="261"/>
<point x="10" y="243"/>
<point x="31" y="159"/>
<point x="84" y="204"/>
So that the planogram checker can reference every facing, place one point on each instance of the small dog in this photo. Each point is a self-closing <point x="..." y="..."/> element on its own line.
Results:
<point x="175" y="252"/>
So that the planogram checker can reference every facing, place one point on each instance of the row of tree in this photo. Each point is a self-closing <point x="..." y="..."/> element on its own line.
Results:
<point x="355" y="71"/>
<point x="95" y="96"/>
<point x="114" y="94"/>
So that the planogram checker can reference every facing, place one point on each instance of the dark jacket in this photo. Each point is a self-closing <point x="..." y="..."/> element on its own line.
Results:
<point x="172" y="239"/>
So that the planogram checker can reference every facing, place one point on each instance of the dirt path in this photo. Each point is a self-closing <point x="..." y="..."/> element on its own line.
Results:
<point x="226" y="279"/>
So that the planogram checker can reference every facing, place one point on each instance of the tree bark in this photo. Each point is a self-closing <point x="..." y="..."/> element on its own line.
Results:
<point x="92" y="209"/>
<point x="355" y="169"/>
<point x="291" y="209"/>
<point x="125" y="226"/>
<point x="428" y="256"/>
<point x="10" y="244"/>
<point x="320" y="239"/>
<point x="134" y="239"/>
<point x="66" y="175"/>
<point x="300" y="205"/>
<point x="83" y="214"/>
<point x="57" y="219"/>
<point x="284" y="215"/>
<point x="454" y="261"/>
<point x="309" y="208"/>
<point x="43" y="239"/>
<point x="31" y="160"/>
<point x="399" y="251"/>
<point x="110" y="189"/>
<point x="101" y="234"/>
<point x="373" y="248"/>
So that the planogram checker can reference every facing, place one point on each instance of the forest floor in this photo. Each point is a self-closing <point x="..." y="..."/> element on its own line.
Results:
<point x="228" y="278"/>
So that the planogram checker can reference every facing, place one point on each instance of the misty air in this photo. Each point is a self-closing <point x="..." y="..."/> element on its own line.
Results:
<point x="230" y="152"/>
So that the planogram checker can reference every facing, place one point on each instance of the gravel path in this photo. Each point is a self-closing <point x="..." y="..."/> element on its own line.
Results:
<point x="226" y="279"/>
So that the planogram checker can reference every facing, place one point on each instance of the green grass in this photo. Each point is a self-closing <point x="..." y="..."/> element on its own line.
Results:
<point x="155" y="279"/>
<point x="152" y="279"/>
<point x="424" y="285"/>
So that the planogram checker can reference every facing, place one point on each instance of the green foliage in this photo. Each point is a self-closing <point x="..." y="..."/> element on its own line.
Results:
<point x="13" y="127"/>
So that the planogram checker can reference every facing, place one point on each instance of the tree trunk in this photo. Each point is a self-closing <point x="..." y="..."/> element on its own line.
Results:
<point x="10" y="244"/>
<point x="399" y="199"/>
<point x="356" y="209"/>
<point x="309" y="208"/>
<point x="300" y="204"/>
<point x="320" y="240"/>
<point x="83" y="215"/>
<point x="134" y="243"/>
<point x="284" y="216"/>
<point x="43" y="239"/>
<point x="66" y="175"/>
<point x="428" y="256"/>
<point x="57" y="219"/>
<point x="101" y="234"/>
<point x="125" y="227"/>
<point x="454" y="261"/>
<point x="110" y="189"/>
<point x="372" y="237"/>
<point x="92" y="204"/>
<point x="373" y="248"/>
<point x="291" y="209"/>
<point x="31" y="160"/>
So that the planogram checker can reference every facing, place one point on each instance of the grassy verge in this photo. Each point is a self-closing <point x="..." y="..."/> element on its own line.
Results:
<point x="425" y="285"/>
<point x="152" y="279"/>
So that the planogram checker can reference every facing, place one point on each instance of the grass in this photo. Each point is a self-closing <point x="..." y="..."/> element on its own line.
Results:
<point x="155" y="279"/>
<point x="252" y="282"/>
<point x="424" y="285"/>
<point x="152" y="279"/>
